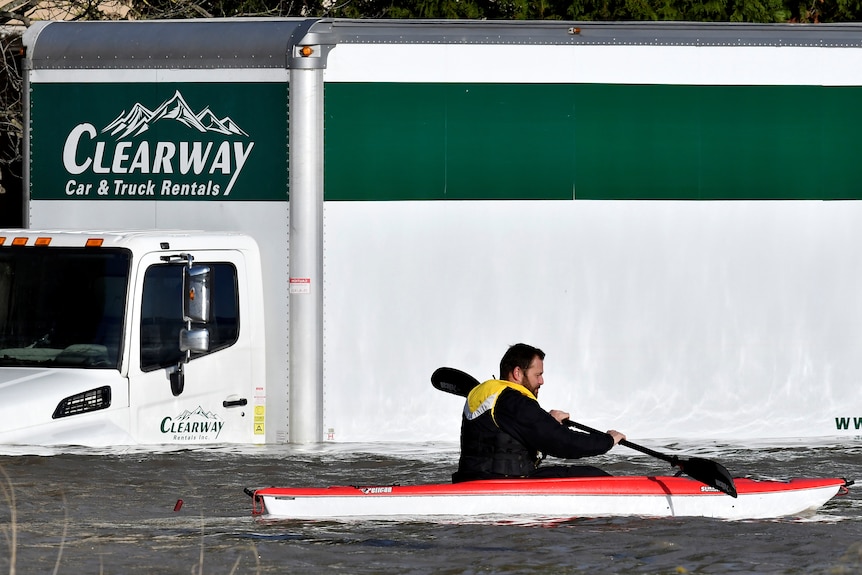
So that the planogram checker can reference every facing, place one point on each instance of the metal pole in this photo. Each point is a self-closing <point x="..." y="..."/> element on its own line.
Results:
<point x="306" y="255"/>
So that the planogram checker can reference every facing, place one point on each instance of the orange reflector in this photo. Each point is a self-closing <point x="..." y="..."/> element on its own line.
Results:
<point x="2" y="240"/>
<point x="94" y="242"/>
<point x="19" y="242"/>
<point x="43" y="242"/>
<point x="306" y="51"/>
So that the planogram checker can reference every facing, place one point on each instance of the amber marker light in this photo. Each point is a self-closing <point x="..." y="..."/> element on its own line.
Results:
<point x="42" y="242"/>
<point x="19" y="242"/>
<point x="306" y="51"/>
<point x="94" y="242"/>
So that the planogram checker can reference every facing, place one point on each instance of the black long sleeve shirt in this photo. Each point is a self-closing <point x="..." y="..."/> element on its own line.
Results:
<point x="525" y="420"/>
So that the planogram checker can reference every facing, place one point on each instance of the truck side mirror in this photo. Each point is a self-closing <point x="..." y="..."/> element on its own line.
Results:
<point x="197" y="309"/>
<point x="195" y="339"/>
<point x="197" y="298"/>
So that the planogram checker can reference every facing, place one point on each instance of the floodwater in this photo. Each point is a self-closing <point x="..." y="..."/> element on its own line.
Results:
<point x="118" y="511"/>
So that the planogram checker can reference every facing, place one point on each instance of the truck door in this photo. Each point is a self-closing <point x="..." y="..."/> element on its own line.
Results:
<point x="214" y="404"/>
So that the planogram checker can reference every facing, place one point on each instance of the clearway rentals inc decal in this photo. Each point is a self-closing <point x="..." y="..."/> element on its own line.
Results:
<point x="218" y="148"/>
<point x="197" y="425"/>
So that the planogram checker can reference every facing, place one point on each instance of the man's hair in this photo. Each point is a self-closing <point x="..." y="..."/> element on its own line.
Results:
<point x="519" y="355"/>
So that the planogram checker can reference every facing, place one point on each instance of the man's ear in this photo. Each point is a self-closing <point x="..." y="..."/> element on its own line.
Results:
<point x="517" y="374"/>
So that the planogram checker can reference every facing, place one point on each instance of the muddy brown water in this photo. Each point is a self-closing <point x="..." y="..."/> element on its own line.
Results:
<point x="79" y="511"/>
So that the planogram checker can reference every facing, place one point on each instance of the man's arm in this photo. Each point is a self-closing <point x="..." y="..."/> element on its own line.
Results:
<point x="525" y="420"/>
<point x="563" y="416"/>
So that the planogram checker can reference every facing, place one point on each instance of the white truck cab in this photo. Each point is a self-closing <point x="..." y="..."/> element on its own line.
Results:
<point x="113" y="338"/>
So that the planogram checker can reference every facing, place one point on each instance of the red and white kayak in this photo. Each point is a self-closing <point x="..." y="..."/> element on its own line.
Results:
<point x="559" y="498"/>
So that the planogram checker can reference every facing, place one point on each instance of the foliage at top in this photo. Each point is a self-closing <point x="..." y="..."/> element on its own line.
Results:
<point x="765" y="11"/>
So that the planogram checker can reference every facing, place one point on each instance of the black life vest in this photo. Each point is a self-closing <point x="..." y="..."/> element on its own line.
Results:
<point x="486" y="450"/>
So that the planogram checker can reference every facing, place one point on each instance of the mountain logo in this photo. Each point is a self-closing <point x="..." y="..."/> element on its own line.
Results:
<point x="126" y="159"/>
<point x="196" y="425"/>
<point x="139" y="119"/>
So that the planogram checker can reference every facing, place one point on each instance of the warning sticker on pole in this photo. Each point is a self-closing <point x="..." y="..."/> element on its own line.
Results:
<point x="300" y="285"/>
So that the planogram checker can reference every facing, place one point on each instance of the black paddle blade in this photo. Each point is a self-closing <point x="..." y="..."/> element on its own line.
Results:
<point x="453" y="381"/>
<point x="708" y="472"/>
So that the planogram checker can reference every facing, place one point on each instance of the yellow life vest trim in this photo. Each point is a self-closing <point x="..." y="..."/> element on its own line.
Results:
<point x="484" y="397"/>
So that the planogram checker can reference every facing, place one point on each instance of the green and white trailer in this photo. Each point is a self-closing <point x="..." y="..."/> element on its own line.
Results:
<point x="646" y="202"/>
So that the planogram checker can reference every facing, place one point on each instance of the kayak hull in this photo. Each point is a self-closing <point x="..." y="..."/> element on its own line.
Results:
<point x="559" y="498"/>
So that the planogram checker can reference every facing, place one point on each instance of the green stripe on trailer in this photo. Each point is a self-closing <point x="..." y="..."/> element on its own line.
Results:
<point x="417" y="141"/>
<point x="393" y="141"/>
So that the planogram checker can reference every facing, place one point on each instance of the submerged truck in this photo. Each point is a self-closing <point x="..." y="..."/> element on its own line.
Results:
<point x="266" y="231"/>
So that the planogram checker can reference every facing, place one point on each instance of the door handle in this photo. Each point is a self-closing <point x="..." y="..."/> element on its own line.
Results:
<point x="235" y="402"/>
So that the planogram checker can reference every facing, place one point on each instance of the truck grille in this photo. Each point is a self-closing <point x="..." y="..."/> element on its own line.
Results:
<point x="92" y="400"/>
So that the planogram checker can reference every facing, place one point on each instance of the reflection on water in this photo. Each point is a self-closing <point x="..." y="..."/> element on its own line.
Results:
<point x="86" y="511"/>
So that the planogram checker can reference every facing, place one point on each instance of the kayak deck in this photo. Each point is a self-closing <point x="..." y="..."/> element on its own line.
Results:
<point x="570" y="497"/>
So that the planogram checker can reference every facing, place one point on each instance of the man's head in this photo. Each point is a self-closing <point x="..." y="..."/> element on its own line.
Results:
<point x="524" y="364"/>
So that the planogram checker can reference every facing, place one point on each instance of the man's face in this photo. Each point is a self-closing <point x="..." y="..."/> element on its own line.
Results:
<point x="531" y="378"/>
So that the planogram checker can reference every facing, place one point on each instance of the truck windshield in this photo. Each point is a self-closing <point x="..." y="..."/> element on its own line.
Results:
<point x="62" y="307"/>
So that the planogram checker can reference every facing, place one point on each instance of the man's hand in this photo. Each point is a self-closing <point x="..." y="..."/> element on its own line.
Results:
<point x="560" y="416"/>
<point x="616" y="435"/>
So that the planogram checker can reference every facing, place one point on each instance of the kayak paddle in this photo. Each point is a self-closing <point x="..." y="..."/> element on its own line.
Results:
<point x="711" y="473"/>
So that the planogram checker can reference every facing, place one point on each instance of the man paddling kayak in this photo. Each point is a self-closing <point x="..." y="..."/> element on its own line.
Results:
<point x="503" y="428"/>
